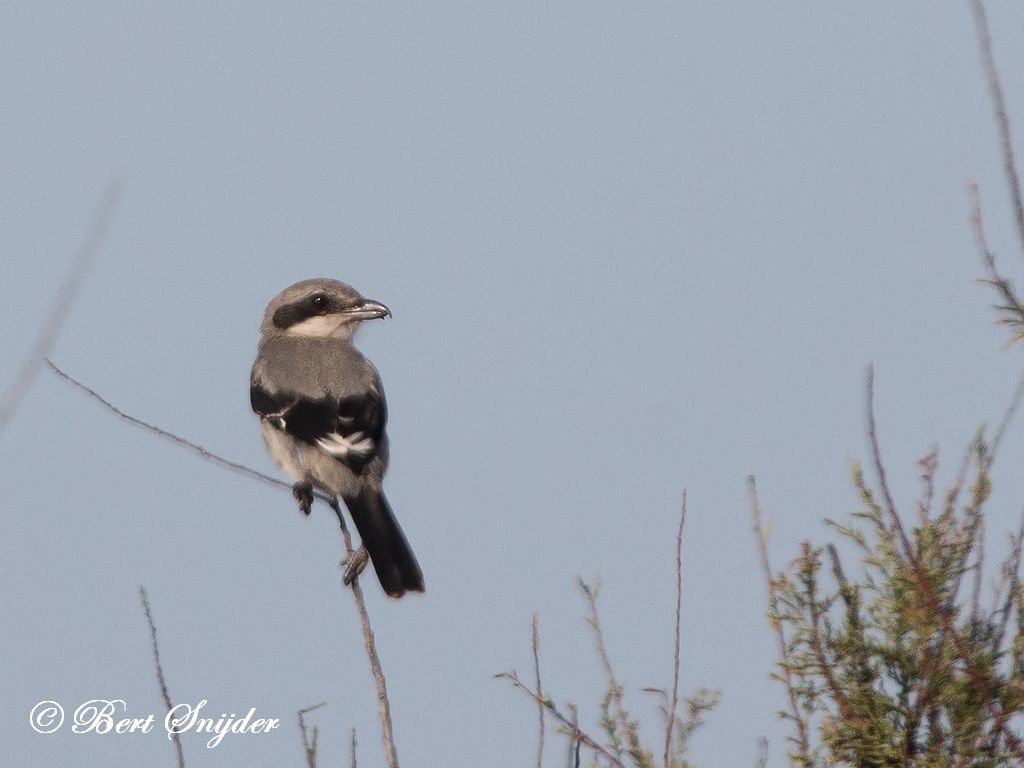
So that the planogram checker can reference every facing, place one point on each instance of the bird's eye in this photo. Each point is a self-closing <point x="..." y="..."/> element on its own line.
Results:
<point x="320" y="302"/>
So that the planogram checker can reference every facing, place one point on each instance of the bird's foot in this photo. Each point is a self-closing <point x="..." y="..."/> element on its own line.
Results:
<point x="303" y="493"/>
<point x="354" y="565"/>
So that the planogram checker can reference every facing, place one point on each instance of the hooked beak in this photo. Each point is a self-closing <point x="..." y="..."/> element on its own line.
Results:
<point x="368" y="310"/>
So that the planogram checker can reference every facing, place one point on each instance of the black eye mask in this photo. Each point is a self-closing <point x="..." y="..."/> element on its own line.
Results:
<point x="311" y="306"/>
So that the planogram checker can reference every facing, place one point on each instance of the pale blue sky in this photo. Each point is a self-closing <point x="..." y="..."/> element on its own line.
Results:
<point x="629" y="248"/>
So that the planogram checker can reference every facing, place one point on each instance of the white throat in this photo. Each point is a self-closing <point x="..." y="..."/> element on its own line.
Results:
<point x="325" y="326"/>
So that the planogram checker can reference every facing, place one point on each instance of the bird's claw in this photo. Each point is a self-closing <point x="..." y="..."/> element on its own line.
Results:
<point x="303" y="493"/>
<point x="354" y="565"/>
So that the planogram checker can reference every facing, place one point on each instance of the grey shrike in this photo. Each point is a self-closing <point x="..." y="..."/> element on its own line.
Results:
<point x="322" y="413"/>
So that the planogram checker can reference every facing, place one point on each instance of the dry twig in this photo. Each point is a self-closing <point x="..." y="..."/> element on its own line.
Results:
<point x="1002" y="118"/>
<point x="570" y="725"/>
<point x="535" y="644"/>
<point x="309" y="743"/>
<point x="206" y="454"/>
<point x="383" y="703"/>
<point x="384" y="706"/>
<point x="803" y="741"/>
<point x="175" y="736"/>
<point x="670" y="725"/>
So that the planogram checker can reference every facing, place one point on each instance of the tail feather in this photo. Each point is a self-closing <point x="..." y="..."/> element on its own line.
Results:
<point x="382" y="536"/>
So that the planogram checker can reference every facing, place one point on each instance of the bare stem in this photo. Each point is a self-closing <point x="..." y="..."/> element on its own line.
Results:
<point x="571" y="727"/>
<point x="309" y="743"/>
<point x="535" y="644"/>
<point x="803" y="742"/>
<point x="160" y="432"/>
<point x="995" y="89"/>
<point x="175" y="736"/>
<point x="670" y="725"/>
<point x="383" y="703"/>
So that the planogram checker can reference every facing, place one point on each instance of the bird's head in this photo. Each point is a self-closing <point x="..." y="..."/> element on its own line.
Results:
<point x="319" y="308"/>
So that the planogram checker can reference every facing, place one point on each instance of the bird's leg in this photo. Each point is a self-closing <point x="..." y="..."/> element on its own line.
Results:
<point x="354" y="565"/>
<point x="303" y="493"/>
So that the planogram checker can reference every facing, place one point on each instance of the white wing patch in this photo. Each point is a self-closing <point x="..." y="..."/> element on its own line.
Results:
<point x="356" y="445"/>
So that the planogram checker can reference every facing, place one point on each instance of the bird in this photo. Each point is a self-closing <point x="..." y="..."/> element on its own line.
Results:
<point x="323" y="416"/>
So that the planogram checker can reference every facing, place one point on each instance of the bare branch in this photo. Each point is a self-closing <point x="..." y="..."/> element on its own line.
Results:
<point x="674" y="702"/>
<point x="995" y="89"/>
<point x="803" y="742"/>
<point x="352" y="749"/>
<point x="309" y="743"/>
<point x="384" y="705"/>
<point x="175" y="736"/>
<point x="203" y="452"/>
<point x="535" y="643"/>
<point x="571" y="726"/>
<point x="77" y="270"/>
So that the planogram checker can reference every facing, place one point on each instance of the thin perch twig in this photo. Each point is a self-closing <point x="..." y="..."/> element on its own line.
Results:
<point x="384" y="705"/>
<point x="175" y="736"/>
<point x="670" y="725"/>
<point x="65" y="297"/>
<point x="206" y="454"/>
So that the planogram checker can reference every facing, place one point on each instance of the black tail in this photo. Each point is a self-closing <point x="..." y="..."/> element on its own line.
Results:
<point x="389" y="552"/>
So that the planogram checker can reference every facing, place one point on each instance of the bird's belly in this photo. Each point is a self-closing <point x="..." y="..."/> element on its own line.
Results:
<point x="304" y="462"/>
<point x="283" y="449"/>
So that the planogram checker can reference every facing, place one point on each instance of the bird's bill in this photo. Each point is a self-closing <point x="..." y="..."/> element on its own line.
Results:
<point x="368" y="310"/>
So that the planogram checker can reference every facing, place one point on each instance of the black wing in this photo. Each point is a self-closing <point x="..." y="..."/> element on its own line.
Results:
<point x="349" y="429"/>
